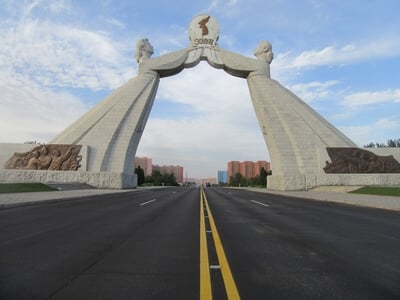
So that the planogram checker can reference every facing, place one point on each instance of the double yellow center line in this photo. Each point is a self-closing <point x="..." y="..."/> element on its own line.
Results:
<point x="205" y="279"/>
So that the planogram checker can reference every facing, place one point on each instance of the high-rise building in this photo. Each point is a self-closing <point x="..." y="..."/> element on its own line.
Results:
<point x="145" y="163"/>
<point x="233" y="168"/>
<point x="222" y="177"/>
<point x="247" y="169"/>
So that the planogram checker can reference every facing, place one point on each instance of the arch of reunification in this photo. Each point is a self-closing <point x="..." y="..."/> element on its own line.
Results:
<point x="305" y="150"/>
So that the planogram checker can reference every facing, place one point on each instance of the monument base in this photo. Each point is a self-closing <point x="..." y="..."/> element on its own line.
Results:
<point x="101" y="180"/>
<point x="304" y="182"/>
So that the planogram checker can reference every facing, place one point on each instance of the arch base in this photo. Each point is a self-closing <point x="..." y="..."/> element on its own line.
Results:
<point x="100" y="180"/>
<point x="302" y="182"/>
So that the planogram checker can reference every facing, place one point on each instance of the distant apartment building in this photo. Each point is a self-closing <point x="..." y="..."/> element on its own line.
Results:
<point x="145" y="163"/>
<point x="205" y="181"/>
<point x="176" y="170"/>
<point x="233" y="168"/>
<point x="248" y="169"/>
<point x="222" y="177"/>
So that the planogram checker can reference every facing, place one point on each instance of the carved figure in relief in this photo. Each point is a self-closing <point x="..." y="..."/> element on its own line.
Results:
<point x="62" y="157"/>
<point x="57" y="159"/>
<point x="33" y="163"/>
<point x="44" y="158"/>
<point x="144" y="50"/>
<point x="72" y="163"/>
<point x="264" y="52"/>
<point x="356" y="160"/>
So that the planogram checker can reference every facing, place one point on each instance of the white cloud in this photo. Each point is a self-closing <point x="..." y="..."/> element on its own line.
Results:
<point x="207" y="90"/>
<point x="334" y="55"/>
<point x="370" y="98"/>
<point x="30" y="7"/>
<point x="115" y="22"/>
<point x="30" y="112"/>
<point x="379" y="131"/>
<point x="388" y="123"/>
<point x="41" y="61"/>
<point x="313" y="91"/>
<point x="57" y="55"/>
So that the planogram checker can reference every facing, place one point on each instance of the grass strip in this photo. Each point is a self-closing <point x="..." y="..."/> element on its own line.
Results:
<point x="24" y="187"/>
<point x="378" y="190"/>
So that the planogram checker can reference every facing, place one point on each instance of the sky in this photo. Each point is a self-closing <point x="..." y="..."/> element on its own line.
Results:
<point x="59" y="58"/>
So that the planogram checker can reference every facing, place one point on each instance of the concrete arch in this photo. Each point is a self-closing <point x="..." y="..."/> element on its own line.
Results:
<point x="296" y="136"/>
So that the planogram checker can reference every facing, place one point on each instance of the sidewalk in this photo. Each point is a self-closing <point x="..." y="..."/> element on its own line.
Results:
<point x="19" y="199"/>
<point x="374" y="201"/>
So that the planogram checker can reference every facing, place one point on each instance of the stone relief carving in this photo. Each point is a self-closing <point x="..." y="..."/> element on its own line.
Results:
<point x="144" y="50"/>
<point x="55" y="157"/>
<point x="356" y="160"/>
<point x="264" y="52"/>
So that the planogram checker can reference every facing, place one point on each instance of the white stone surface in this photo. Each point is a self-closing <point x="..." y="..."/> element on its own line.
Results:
<point x="296" y="136"/>
<point x="109" y="180"/>
<point x="386" y="151"/>
<point x="203" y="30"/>
<point x="303" y="182"/>
<point x="113" y="128"/>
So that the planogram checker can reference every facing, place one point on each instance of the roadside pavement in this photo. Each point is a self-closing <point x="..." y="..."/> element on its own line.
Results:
<point x="374" y="201"/>
<point x="19" y="199"/>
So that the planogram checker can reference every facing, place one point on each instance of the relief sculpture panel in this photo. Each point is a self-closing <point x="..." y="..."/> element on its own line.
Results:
<point x="54" y="157"/>
<point x="356" y="160"/>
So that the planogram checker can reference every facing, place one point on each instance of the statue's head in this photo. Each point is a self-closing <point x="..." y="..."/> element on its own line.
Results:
<point x="264" y="51"/>
<point x="43" y="150"/>
<point x="144" y="50"/>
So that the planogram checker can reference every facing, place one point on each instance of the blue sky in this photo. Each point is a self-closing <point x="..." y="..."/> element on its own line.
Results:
<point x="58" y="58"/>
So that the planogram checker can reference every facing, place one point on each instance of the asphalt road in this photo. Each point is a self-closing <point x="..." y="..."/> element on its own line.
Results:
<point x="148" y="245"/>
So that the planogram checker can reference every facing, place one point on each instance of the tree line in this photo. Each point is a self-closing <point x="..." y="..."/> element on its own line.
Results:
<point x="258" y="181"/>
<point x="390" y="143"/>
<point x="155" y="179"/>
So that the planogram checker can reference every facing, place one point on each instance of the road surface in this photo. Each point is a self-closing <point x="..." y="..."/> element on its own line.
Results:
<point x="181" y="243"/>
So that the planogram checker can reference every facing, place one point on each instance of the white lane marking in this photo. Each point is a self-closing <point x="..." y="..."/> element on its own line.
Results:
<point x="147" y="202"/>
<point x="260" y="203"/>
<point x="215" y="267"/>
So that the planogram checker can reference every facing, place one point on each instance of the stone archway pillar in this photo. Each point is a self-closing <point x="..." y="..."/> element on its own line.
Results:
<point x="296" y="136"/>
<point x="111" y="131"/>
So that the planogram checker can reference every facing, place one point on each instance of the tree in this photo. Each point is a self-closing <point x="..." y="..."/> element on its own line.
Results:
<point x="393" y="143"/>
<point x="157" y="179"/>
<point x="237" y="180"/>
<point x="390" y="143"/>
<point x="263" y="177"/>
<point x="140" y="175"/>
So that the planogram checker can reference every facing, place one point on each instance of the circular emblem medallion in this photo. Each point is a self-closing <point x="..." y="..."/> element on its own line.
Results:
<point x="204" y="30"/>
